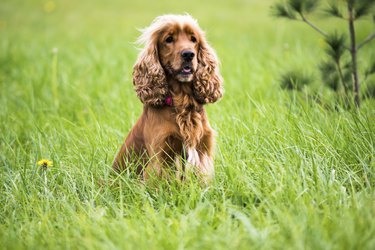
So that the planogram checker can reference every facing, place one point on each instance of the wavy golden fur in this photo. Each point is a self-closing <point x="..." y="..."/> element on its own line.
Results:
<point x="176" y="73"/>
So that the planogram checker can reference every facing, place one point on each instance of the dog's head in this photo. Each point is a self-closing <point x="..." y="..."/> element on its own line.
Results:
<point x="178" y="47"/>
<point x="175" y="47"/>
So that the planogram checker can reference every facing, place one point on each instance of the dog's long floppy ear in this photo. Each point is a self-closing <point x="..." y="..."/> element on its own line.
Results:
<point x="148" y="76"/>
<point x="208" y="85"/>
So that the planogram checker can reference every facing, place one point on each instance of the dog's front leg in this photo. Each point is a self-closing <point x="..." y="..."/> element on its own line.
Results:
<point x="160" y="157"/>
<point x="206" y="168"/>
<point x="201" y="164"/>
<point x="205" y="150"/>
<point x="153" y="168"/>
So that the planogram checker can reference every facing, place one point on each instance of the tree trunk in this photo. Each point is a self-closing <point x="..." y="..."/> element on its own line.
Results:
<point x="353" y="52"/>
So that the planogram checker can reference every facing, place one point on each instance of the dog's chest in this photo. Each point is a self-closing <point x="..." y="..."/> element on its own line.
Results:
<point x="189" y="119"/>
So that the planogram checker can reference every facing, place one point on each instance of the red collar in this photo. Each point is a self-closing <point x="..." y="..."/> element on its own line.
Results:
<point x="168" y="101"/>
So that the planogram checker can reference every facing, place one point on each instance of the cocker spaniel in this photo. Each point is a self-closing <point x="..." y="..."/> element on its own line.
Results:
<point x="175" y="75"/>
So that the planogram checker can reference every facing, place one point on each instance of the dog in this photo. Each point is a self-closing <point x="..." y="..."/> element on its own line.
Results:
<point x="175" y="75"/>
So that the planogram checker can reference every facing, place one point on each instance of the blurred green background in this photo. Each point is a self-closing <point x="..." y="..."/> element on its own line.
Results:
<point x="289" y="172"/>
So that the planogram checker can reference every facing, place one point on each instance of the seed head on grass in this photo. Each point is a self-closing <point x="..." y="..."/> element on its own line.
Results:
<point x="44" y="163"/>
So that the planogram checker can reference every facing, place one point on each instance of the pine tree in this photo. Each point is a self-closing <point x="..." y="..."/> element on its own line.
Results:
<point x="334" y="68"/>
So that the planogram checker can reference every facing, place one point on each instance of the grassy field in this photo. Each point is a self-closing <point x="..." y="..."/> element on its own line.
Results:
<point x="290" y="173"/>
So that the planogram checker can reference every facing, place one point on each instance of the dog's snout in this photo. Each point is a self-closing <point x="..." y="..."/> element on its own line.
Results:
<point x="187" y="55"/>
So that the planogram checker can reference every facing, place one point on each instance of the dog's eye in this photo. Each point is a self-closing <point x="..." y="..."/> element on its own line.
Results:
<point x="169" y="39"/>
<point x="193" y="39"/>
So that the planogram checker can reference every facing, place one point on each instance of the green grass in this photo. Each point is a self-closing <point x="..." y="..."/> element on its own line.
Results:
<point x="290" y="173"/>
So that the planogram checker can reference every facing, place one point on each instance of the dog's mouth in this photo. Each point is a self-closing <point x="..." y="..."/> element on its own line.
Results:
<point x="185" y="73"/>
<point x="186" y="70"/>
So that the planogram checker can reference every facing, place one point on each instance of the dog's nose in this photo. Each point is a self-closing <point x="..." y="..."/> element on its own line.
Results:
<point x="187" y="55"/>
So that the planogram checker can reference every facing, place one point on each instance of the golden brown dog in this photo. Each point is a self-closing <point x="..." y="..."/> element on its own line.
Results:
<point x="175" y="75"/>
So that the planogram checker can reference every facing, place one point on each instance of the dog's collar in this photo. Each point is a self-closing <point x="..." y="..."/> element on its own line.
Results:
<point x="168" y="101"/>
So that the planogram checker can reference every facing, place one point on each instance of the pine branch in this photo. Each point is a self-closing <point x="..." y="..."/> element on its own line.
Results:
<point x="368" y="39"/>
<point x="295" y="79"/>
<point x="362" y="8"/>
<point x="304" y="19"/>
<point x="333" y="10"/>
<point x="280" y="10"/>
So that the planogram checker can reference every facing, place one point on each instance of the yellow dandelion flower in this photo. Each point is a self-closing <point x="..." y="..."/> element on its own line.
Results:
<point x="49" y="6"/>
<point x="45" y="163"/>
